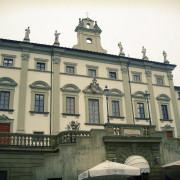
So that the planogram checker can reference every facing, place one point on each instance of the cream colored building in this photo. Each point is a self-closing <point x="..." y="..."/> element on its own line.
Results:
<point x="43" y="88"/>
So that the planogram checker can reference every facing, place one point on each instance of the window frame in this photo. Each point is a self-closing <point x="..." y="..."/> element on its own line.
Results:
<point x="41" y="60"/>
<point x="92" y="67"/>
<point x="112" y="70"/>
<point x="39" y="103"/>
<point x="141" y="110"/>
<point x="70" y="90"/>
<point x="4" y="102"/>
<point x="158" y="77"/>
<point x="163" y="99"/>
<point x="71" y="104"/>
<point x="72" y="65"/>
<point x="39" y="87"/>
<point x="8" y="56"/>
<point x="135" y="73"/>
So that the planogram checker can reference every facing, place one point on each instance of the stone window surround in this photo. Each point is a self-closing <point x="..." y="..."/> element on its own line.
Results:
<point x="96" y="97"/>
<point x="10" y="57"/>
<point x="136" y="73"/>
<point x="92" y="67"/>
<point x="112" y="70"/>
<point x="10" y="86"/>
<point x="70" y="90"/>
<point x="138" y="97"/>
<point x="44" y="90"/>
<point x="167" y="127"/>
<point x="164" y="100"/>
<point x="70" y="64"/>
<point x="5" y="119"/>
<point x="41" y="60"/>
<point x="160" y="77"/>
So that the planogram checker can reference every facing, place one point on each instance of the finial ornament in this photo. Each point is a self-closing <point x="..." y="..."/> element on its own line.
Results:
<point x="87" y="14"/>
<point x="27" y="32"/>
<point x="121" y="53"/>
<point x="56" y="42"/>
<point x="144" y="54"/>
<point x="165" y="60"/>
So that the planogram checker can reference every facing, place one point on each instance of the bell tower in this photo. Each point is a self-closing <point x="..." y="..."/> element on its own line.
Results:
<point x="88" y="35"/>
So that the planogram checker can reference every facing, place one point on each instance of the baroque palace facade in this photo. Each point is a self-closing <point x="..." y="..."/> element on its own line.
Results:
<point x="44" y="89"/>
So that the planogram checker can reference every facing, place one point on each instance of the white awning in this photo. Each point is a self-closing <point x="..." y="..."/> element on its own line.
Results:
<point x="140" y="162"/>
<point x="172" y="164"/>
<point x="109" y="168"/>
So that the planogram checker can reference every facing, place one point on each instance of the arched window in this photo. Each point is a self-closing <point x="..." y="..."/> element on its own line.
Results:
<point x="88" y="25"/>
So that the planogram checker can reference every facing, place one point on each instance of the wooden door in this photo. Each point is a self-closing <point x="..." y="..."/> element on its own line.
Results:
<point x="4" y="127"/>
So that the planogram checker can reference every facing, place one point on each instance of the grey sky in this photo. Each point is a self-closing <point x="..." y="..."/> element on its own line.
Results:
<point x="154" y="24"/>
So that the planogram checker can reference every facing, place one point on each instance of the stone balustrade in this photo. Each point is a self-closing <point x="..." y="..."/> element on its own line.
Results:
<point x="129" y="130"/>
<point x="33" y="140"/>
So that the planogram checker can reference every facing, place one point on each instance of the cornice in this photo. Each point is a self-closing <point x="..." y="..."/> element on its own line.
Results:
<point x="83" y="54"/>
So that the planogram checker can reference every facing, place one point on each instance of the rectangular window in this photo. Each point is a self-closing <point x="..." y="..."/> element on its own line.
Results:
<point x="141" y="112"/>
<point x="136" y="78"/>
<point x="39" y="103"/>
<point x="179" y="95"/>
<point x="93" y="106"/>
<point x="40" y="66"/>
<point x="92" y="72"/>
<point x="4" y="99"/>
<point x="8" y="62"/>
<point x="112" y="75"/>
<point x="160" y="81"/>
<point x="70" y="69"/>
<point x="3" y="175"/>
<point x="70" y="105"/>
<point x="164" y="112"/>
<point x="115" y="108"/>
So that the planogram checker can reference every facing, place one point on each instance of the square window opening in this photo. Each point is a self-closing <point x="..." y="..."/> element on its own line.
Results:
<point x="92" y="72"/>
<point x="112" y="75"/>
<point x="8" y="62"/>
<point x="70" y="69"/>
<point x="40" y="66"/>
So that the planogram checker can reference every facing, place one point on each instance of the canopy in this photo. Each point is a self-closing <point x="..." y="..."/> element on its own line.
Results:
<point x="172" y="164"/>
<point x="109" y="168"/>
<point x="138" y="161"/>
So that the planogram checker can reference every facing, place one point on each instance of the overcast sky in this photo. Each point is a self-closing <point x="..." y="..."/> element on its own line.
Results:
<point x="154" y="24"/>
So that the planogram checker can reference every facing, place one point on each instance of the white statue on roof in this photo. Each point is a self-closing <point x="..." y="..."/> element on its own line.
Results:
<point x="27" y="32"/>
<point x="165" y="60"/>
<point x="56" y="42"/>
<point x="121" y="53"/>
<point x="144" y="54"/>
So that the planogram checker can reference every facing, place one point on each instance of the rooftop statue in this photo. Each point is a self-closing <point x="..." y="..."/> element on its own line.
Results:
<point x="56" y="42"/>
<point x="27" y="32"/>
<point x="121" y="53"/>
<point x="165" y="60"/>
<point x="144" y="54"/>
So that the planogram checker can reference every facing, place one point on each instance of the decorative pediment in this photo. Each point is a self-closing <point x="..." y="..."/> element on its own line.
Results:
<point x="4" y="118"/>
<point x="40" y="85"/>
<point x="167" y="127"/>
<point x="5" y="81"/>
<point x="139" y="94"/>
<point x="115" y="92"/>
<point x="70" y="88"/>
<point x="163" y="97"/>
<point x="93" y="88"/>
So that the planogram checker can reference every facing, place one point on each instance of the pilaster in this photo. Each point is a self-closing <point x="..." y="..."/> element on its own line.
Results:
<point x="127" y="95"/>
<point x="174" y="102"/>
<point x="22" y="92"/>
<point x="153" y="112"/>
<point x="56" y="94"/>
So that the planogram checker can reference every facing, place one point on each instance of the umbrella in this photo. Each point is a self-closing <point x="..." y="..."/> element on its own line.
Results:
<point x="172" y="165"/>
<point x="111" y="169"/>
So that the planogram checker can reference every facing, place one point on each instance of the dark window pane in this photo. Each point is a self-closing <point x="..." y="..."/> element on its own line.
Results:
<point x="115" y="108"/>
<point x="40" y="66"/>
<point x="70" y="105"/>
<point x="164" y="112"/>
<point x="141" y="110"/>
<point x="159" y="81"/>
<point x="136" y="78"/>
<point x="93" y="105"/>
<point x="4" y="99"/>
<point x="92" y="72"/>
<point x="8" y="62"/>
<point x="112" y="75"/>
<point x="39" y="103"/>
<point x="70" y="69"/>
